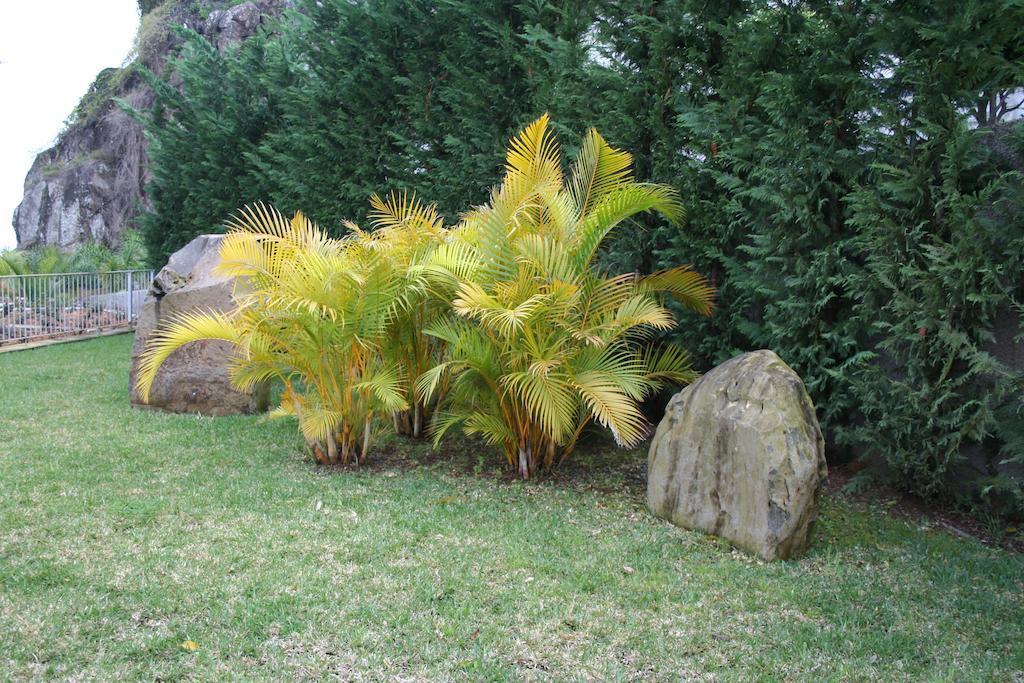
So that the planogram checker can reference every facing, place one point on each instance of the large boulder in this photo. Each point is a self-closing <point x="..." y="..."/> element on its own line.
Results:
<point x="740" y="455"/>
<point x="194" y="379"/>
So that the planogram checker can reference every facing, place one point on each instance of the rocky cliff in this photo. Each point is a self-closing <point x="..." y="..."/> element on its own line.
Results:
<point x="91" y="184"/>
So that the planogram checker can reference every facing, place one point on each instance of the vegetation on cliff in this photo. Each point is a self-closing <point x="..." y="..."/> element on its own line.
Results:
<point x="91" y="257"/>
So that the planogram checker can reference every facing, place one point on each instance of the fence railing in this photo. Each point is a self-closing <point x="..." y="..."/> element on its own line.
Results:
<point x="34" y="307"/>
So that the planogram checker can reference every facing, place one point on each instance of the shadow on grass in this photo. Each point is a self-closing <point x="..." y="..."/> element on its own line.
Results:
<point x="599" y="465"/>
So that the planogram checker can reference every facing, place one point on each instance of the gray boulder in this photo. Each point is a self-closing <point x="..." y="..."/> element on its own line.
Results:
<point x="194" y="379"/>
<point x="740" y="455"/>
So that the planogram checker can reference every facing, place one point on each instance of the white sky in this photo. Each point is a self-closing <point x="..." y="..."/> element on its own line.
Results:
<point x="50" y="51"/>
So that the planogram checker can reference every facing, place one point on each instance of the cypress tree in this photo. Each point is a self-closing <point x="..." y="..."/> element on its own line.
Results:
<point x="412" y="96"/>
<point x="849" y="171"/>
<point x="939" y="228"/>
<point x="202" y="132"/>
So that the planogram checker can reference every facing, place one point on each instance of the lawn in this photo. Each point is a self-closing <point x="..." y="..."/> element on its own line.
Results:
<point x="138" y="545"/>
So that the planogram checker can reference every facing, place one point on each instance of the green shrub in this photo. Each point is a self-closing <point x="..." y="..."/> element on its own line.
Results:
<point x="849" y="204"/>
<point x="91" y="257"/>
<point x="202" y="136"/>
<point x="13" y="262"/>
<point x="147" y="6"/>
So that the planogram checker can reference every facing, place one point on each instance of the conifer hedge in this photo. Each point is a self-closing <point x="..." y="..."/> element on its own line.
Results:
<point x="851" y="170"/>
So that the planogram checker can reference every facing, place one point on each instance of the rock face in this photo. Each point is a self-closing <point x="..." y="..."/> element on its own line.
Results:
<point x="740" y="455"/>
<point x="90" y="185"/>
<point x="229" y="26"/>
<point x="194" y="379"/>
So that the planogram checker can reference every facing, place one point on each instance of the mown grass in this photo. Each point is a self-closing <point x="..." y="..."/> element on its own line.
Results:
<point x="125" y="534"/>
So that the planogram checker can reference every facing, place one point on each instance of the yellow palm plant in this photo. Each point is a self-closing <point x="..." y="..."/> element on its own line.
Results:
<point x="314" y="313"/>
<point x="541" y="343"/>
<point x="406" y="233"/>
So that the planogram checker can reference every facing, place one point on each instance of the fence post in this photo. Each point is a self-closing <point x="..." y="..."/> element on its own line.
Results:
<point x="131" y="296"/>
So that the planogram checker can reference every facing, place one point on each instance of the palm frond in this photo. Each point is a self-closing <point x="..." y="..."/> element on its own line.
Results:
<point x="491" y="427"/>
<point x="404" y="210"/>
<point x="178" y="331"/>
<point x="686" y="286"/>
<point x="616" y="206"/>
<point x="639" y="310"/>
<point x="387" y="387"/>
<point x="319" y="423"/>
<point x="259" y="218"/>
<point x="548" y="397"/>
<point x="668" y="364"/>
<point x="612" y="407"/>
<point x="428" y="382"/>
<point x="599" y="169"/>
<point x="533" y="156"/>
<point x="545" y="257"/>
<point x="474" y="302"/>
<point x="13" y="262"/>
<point x="442" y="423"/>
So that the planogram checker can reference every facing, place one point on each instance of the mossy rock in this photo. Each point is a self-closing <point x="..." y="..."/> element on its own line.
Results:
<point x="740" y="455"/>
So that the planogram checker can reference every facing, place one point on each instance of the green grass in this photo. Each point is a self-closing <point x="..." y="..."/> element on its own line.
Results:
<point x="125" y="533"/>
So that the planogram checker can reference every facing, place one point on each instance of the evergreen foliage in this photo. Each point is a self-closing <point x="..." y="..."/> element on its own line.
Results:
<point x="395" y="99"/>
<point x="203" y="132"/>
<point x="409" y="96"/>
<point x="851" y="169"/>
<point x="147" y="6"/>
<point x="939" y="227"/>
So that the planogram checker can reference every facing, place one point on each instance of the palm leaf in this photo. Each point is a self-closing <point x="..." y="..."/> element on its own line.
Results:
<point x="319" y="423"/>
<point x="611" y="407"/>
<point x="685" y="285"/>
<point x="491" y="427"/>
<point x="599" y="169"/>
<point x="669" y="364"/>
<point x="387" y="388"/>
<point x="181" y="329"/>
<point x="547" y="397"/>
<point x="616" y="206"/>
<point x="13" y="262"/>
<point x="400" y="211"/>
<point x="427" y="383"/>
<point x="443" y="422"/>
<point x="533" y="156"/>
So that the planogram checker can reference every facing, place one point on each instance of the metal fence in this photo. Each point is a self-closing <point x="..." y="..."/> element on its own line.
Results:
<point x="34" y="307"/>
